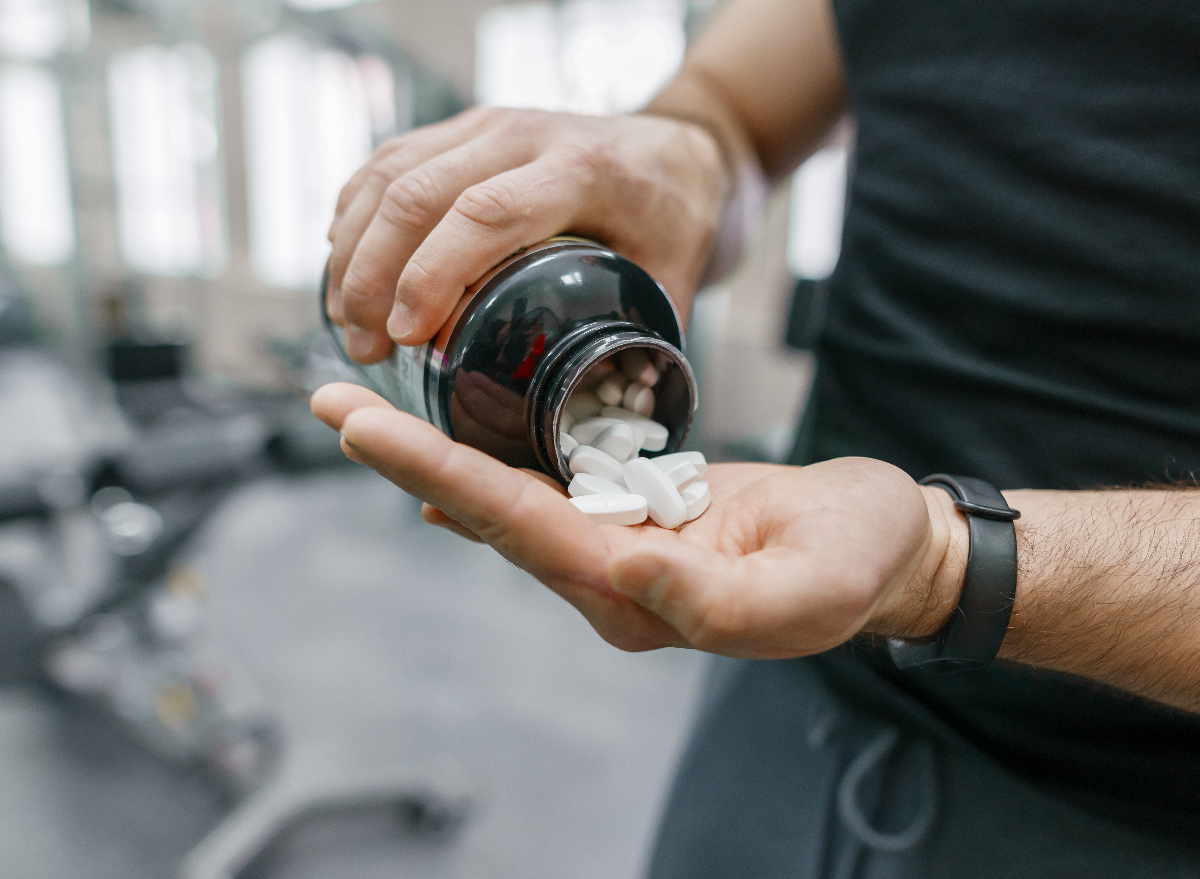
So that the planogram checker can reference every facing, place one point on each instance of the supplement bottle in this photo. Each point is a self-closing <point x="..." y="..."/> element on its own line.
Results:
<point x="498" y="374"/>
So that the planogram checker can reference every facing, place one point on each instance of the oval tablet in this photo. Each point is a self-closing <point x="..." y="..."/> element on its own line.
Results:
<point x="683" y="474"/>
<point x="586" y="431"/>
<point x="585" y="484"/>
<point x="612" y="509"/>
<point x="636" y="365"/>
<point x="638" y="399"/>
<point x="697" y="460"/>
<point x="663" y="502"/>
<point x="612" y="390"/>
<point x="696" y="497"/>
<point x="585" y="459"/>
<point x="566" y="443"/>
<point x="618" y="441"/>
<point x="581" y="405"/>
<point x="656" y="434"/>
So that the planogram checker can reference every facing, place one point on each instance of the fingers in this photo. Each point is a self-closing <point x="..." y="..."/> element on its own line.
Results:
<point x="528" y="522"/>
<point x="487" y="222"/>
<point x="407" y="210"/>
<point x="434" y="516"/>
<point x="361" y="197"/>
<point x="333" y="402"/>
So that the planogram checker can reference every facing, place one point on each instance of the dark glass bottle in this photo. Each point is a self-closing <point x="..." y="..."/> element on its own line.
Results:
<point x="499" y="372"/>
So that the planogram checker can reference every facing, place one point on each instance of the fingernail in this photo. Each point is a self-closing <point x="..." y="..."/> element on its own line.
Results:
<point x="358" y="342"/>
<point x="349" y="451"/>
<point x="400" y="324"/>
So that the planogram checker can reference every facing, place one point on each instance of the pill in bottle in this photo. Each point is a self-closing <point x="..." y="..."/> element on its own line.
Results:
<point x="523" y="338"/>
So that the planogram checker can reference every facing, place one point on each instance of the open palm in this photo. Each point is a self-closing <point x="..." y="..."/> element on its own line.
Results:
<point x="786" y="561"/>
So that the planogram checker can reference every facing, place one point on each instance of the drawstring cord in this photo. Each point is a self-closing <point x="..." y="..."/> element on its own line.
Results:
<point x="852" y="813"/>
<point x="874" y="756"/>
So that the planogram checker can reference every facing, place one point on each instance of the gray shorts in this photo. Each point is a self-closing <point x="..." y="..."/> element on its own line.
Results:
<point x="784" y="778"/>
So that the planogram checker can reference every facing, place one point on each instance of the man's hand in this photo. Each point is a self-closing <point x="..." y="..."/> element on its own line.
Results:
<point x="787" y="561"/>
<point x="434" y="210"/>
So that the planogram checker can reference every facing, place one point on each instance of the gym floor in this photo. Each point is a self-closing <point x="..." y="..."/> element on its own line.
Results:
<point x="384" y="646"/>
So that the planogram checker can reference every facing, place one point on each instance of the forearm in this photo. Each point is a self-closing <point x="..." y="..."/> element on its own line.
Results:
<point x="764" y="82"/>
<point x="1108" y="588"/>
<point x="765" y="78"/>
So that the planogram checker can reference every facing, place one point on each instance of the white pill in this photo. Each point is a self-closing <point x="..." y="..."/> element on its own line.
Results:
<point x="595" y="375"/>
<point x="697" y="460"/>
<point x="638" y="399"/>
<point x="682" y="474"/>
<point x="585" y="484"/>
<point x="565" y="422"/>
<point x="636" y="365"/>
<point x="619" y="441"/>
<point x="612" y="390"/>
<point x="664" y="503"/>
<point x="612" y="509"/>
<point x="566" y="443"/>
<point x="590" y="428"/>
<point x="585" y="459"/>
<point x="582" y="404"/>
<point x="696" y="497"/>
<point x="587" y="431"/>
<point x="656" y="434"/>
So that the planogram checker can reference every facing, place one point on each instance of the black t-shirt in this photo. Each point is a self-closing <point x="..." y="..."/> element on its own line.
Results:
<point x="1018" y="299"/>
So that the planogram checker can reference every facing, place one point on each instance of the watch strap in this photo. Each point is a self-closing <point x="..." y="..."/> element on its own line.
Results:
<point x="972" y="637"/>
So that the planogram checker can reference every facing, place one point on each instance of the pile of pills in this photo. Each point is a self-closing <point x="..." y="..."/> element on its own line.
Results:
<point x="602" y="433"/>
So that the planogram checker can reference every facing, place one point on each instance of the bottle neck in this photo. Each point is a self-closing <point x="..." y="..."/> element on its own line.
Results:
<point x="575" y="355"/>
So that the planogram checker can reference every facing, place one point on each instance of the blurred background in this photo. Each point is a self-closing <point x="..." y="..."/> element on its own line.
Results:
<point x="224" y="651"/>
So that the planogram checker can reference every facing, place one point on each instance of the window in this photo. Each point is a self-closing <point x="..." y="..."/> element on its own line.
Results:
<point x="162" y="106"/>
<point x="35" y="194"/>
<point x="312" y="116"/>
<point x="584" y="56"/>
<point x="818" y="206"/>
<point x="39" y="29"/>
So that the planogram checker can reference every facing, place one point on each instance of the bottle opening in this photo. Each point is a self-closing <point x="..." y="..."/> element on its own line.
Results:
<point x="566" y="368"/>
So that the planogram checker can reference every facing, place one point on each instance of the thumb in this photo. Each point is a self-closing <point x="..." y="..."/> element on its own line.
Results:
<point x="687" y="587"/>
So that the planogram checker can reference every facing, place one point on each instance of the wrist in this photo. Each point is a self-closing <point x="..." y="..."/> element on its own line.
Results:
<point x="744" y="186"/>
<point x="921" y="605"/>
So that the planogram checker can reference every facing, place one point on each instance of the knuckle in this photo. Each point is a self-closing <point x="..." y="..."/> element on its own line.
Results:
<point x="585" y="161"/>
<point x="397" y="161"/>
<point x="522" y="123"/>
<point x="359" y="287"/>
<point x="492" y="204"/>
<point x="410" y="201"/>
<point x="379" y="177"/>
<point x="418" y="280"/>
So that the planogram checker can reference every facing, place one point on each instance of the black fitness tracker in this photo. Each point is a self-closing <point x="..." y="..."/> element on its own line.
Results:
<point x="975" y="632"/>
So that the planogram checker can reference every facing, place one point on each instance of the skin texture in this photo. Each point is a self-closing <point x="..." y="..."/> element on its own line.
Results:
<point x="776" y="567"/>
<point x="433" y="210"/>
<point x="787" y="561"/>
<point x="790" y="561"/>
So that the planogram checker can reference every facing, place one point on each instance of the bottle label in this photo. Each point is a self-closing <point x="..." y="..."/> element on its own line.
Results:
<point x="400" y="379"/>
